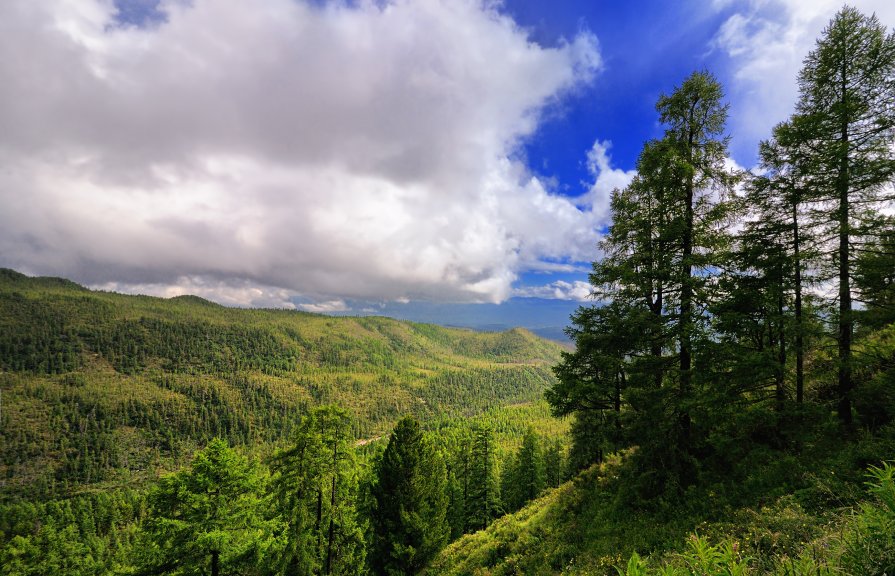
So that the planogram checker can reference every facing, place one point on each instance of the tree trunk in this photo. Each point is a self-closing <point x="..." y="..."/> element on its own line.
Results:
<point x="686" y="319"/>
<point x="800" y="344"/>
<point x="319" y="521"/>
<point x="845" y="316"/>
<point x="332" y="513"/>
<point x="779" y="391"/>
<point x="617" y="407"/>
<point x="656" y="344"/>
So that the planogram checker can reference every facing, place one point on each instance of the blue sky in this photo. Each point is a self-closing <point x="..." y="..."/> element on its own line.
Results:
<point x="441" y="160"/>
<point x="647" y="48"/>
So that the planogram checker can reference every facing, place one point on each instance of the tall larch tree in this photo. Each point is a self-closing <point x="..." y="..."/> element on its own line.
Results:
<point x="208" y="518"/>
<point x="847" y="105"/>
<point x="315" y="485"/>
<point x="662" y="254"/>
<point x="782" y="201"/>
<point x="694" y="116"/>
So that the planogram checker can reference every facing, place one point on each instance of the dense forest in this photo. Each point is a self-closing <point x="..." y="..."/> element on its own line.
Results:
<point x="104" y="394"/>
<point x="728" y="408"/>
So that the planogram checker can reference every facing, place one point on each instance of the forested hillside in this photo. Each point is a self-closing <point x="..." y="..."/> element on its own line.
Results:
<point x="102" y="393"/>
<point x="728" y="407"/>
<point x="99" y="386"/>
<point x="734" y="394"/>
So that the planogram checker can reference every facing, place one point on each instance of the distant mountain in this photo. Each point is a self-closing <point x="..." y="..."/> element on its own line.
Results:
<point x="544" y="317"/>
<point x="104" y="387"/>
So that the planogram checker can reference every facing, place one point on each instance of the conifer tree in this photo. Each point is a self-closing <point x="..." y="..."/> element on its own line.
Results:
<point x="207" y="518"/>
<point x="875" y="276"/>
<point x="694" y="117"/>
<point x="524" y="477"/>
<point x="409" y="514"/>
<point x="483" y="503"/>
<point x="554" y="464"/>
<point x="459" y="467"/>
<point x="588" y="442"/>
<point x="847" y="109"/>
<point x="315" y="485"/>
<point x="591" y="380"/>
<point x="662" y="255"/>
<point x="782" y="196"/>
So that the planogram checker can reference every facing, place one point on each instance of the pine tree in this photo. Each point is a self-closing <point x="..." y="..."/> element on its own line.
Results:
<point x="483" y="503"/>
<point x="410" y="502"/>
<point x="847" y="110"/>
<point x="315" y="485"/>
<point x="207" y="518"/>
<point x="524" y="477"/>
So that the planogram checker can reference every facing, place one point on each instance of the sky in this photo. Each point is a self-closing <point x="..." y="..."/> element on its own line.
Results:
<point x="441" y="160"/>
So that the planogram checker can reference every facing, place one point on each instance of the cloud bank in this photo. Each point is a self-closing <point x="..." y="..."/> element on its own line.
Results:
<point x="260" y="152"/>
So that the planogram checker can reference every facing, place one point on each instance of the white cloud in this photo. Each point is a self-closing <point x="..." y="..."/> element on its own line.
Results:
<point x="238" y="293"/>
<point x="327" y="151"/>
<point x="559" y="290"/>
<point x="767" y="41"/>
<point x="327" y="307"/>
<point x="606" y="179"/>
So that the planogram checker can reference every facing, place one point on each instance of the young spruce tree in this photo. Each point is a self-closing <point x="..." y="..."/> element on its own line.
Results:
<point x="410" y="500"/>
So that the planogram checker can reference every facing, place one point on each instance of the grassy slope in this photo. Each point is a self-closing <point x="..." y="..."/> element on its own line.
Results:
<point x="801" y="504"/>
<point x="108" y="388"/>
<point x="781" y="514"/>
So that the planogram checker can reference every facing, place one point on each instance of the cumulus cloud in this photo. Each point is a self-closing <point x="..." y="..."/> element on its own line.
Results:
<point x="606" y="179"/>
<point x="327" y="307"/>
<point x="229" y="292"/>
<point x="767" y="41"/>
<point x="559" y="290"/>
<point x="326" y="152"/>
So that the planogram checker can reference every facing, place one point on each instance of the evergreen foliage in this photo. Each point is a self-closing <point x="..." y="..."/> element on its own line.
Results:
<point x="105" y="388"/>
<point x="207" y="518"/>
<point x="719" y="425"/>
<point x="665" y="247"/>
<point x="524" y="476"/>
<point x="483" y="502"/>
<point x="409" y="516"/>
<point x="847" y="92"/>
<point x="316" y="484"/>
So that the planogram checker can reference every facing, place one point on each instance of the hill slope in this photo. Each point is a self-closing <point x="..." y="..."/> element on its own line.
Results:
<point x="103" y="387"/>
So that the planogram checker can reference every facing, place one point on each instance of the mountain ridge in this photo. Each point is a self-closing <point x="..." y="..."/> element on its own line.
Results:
<point x="100" y="387"/>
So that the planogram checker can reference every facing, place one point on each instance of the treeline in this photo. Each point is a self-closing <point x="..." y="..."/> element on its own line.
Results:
<point x="312" y="507"/>
<point x="739" y="308"/>
<point x="55" y="327"/>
